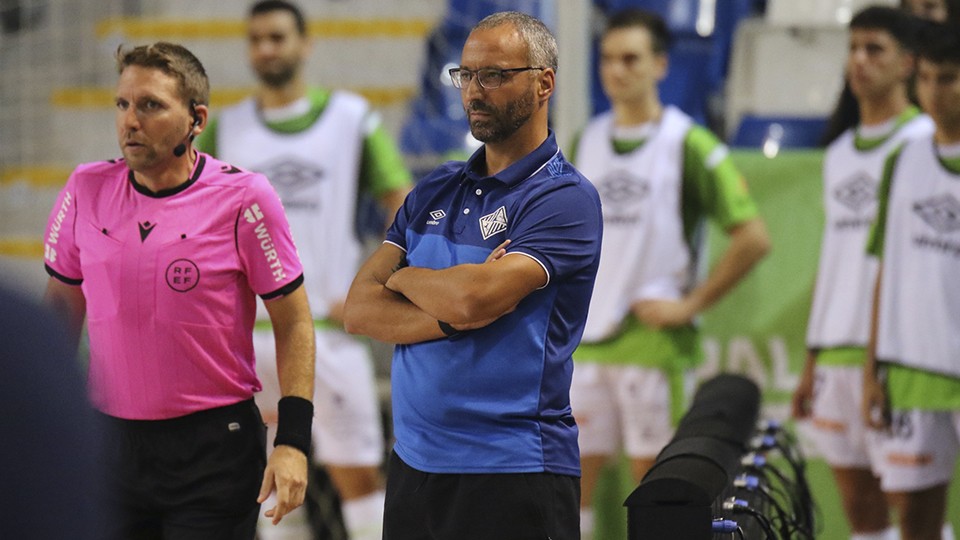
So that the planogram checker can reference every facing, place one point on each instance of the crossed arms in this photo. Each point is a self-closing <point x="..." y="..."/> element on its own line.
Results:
<point x="403" y="305"/>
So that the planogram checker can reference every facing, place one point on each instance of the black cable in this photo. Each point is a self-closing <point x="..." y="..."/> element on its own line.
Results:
<point x="760" y="518"/>
<point x="772" y="501"/>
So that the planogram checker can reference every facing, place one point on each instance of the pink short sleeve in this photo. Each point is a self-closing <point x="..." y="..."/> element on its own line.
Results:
<point x="60" y="254"/>
<point x="265" y="242"/>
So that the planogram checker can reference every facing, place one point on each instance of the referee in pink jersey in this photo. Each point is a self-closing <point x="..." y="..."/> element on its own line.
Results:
<point x="163" y="253"/>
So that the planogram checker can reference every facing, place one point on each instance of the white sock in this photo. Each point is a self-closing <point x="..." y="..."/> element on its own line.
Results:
<point x="890" y="533"/>
<point x="586" y="523"/>
<point x="947" y="532"/>
<point x="364" y="516"/>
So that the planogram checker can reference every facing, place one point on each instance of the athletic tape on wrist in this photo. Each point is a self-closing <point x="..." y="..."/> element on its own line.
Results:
<point x="294" y="422"/>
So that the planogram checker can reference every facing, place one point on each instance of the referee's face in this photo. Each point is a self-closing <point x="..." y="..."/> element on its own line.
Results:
<point x="151" y="118"/>
<point x="277" y="49"/>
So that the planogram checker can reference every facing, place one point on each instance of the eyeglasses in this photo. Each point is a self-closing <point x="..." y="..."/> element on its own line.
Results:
<point x="488" y="78"/>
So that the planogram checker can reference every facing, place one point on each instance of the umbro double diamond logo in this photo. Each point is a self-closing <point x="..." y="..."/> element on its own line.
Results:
<point x="436" y="216"/>
<point x="941" y="212"/>
<point x="856" y="193"/>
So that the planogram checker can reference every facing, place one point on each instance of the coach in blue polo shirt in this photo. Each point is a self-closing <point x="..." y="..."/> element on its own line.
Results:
<point x="484" y="282"/>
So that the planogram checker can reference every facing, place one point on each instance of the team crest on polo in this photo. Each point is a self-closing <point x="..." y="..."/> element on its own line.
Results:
<point x="494" y="223"/>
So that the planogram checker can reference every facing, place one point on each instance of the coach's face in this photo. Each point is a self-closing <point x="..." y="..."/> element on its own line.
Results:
<point x="629" y="67"/>
<point x="151" y="118"/>
<point x="277" y="48"/>
<point x="496" y="114"/>
<point x="876" y="63"/>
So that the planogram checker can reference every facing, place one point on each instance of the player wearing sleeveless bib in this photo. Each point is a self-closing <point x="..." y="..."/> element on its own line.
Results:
<point x="912" y="375"/>
<point x="880" y="61"/>
<point x="323" y="151"/>
<point x="659" y="177"/>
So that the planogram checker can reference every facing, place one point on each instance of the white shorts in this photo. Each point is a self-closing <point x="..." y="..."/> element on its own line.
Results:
<point x="346" y="423"/>
<point x="626" y="404"/>
<point x="836" y="425"/>
<point x="919" y="451"/>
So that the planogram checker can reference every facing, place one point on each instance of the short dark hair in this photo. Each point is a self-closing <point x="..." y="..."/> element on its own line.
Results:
<point x="175" y="61"/>
<point x="267" y="6"/>
<point x="660" y="37"/>
<point x="901" y="26"/>
<point x="541" y="44"/>
<point x="940" y="43"/>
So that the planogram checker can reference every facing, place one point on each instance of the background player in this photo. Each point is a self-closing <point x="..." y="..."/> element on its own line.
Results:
<point x="880" y="62"/>
<point x="659" y="176"/>
<point x="322" y="151"/>
<point x="912" y="375"/>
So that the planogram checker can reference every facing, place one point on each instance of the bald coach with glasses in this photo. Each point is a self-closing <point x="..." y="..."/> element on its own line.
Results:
<point x="484" y="282"/>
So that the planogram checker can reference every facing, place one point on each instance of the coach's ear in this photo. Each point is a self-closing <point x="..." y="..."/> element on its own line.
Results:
<point x="546" y="83"/>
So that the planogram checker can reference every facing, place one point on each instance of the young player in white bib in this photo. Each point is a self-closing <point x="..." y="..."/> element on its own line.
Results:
<point x="880" y="61"/>
<point x="912" y="376"/>
<point x="659" y="177"/>
<point x="321" y="150"/>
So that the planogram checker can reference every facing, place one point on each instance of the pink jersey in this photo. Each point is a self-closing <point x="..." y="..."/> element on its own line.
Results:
<point x="170" y="280"/>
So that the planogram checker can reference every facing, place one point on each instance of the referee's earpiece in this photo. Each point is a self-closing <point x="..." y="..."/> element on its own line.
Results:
<point x="181" y="148"/>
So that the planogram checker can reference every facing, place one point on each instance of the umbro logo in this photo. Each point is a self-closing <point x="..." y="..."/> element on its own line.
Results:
<point x="941" y="212"/>
<point x="622" y="188"/>
<point x="494" y="223"/>
<point x="857" y="192"/>
<point x="145" y="229"/>
<point x="436" y="216"/>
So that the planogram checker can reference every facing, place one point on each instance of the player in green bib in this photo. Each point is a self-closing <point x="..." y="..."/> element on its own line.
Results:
<point x="912" y="376"/>
<point x="659" y="176"/>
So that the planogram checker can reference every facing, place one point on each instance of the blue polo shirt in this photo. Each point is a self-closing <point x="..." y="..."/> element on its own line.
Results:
<point x="496" y="399"/>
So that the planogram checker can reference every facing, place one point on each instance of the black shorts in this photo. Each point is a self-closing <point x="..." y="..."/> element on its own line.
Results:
<point x="192" y="477"/>
<point x="427" y="506"/>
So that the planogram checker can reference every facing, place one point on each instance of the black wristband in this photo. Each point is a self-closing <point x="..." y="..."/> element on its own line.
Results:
<point x="294" y="422"/>
<point x="447" y="330"/>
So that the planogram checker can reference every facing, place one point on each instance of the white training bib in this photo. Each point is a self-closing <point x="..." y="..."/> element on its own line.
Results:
<point x="315" y="173"/>
<point x="644" y="254"/>
<point x="919" y="296"/>
<point x="843" y="296"/>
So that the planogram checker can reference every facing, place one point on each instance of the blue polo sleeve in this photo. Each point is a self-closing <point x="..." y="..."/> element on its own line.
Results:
<point x="561" y="229"/>
<point x="396" y="234"/>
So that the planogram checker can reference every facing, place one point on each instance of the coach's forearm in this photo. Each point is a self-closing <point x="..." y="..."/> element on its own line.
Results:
<point x="372" y="310"/>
